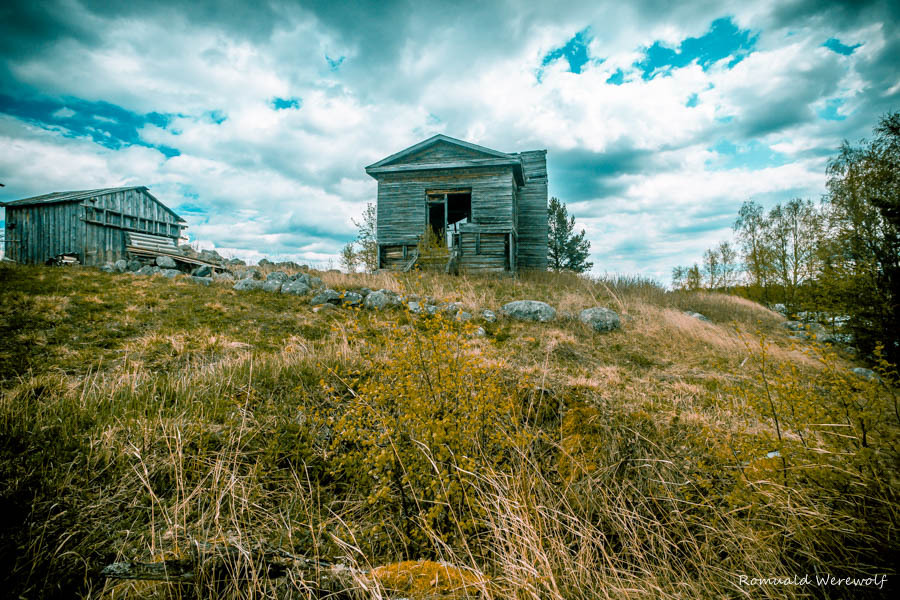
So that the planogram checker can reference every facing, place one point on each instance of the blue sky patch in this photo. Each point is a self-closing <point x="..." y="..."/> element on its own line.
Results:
<point x="285" y="103"/>
<point x="617" y="78"/>
<point x="752" y="155"/>
<point x="835" y="45"/>
<point x="692" y="101"/>
<point x="830" y="112"/>
<point x="334" y="63"/>
<point x="106" y="124"/>
<point x="723" y="39"/>
<point x="575" y="52"/>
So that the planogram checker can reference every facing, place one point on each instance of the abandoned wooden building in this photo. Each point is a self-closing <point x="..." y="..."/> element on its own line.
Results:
<point x="487" y="209"/>
<point x="97" y="226"/>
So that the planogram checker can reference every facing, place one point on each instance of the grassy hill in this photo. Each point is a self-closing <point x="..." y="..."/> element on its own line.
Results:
<point x="144" y="418"/>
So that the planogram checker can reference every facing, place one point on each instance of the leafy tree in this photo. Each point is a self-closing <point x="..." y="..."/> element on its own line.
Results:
<point x="728" y="266"/>
<point x="751" y="230"/>
<point x="367" y="239"/>
<point x="349" y="257"/>
<point x="566" y="249"/>
<point x="712" y="268"/>
<point x="862" y="253"/>
<point x="793" y="232"/>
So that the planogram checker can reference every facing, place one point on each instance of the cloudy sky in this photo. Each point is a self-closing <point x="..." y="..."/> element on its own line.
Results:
<point x="254" y="120"/>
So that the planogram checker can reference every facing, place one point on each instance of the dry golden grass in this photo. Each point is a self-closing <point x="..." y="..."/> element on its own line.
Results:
<point x="140" y="414"/>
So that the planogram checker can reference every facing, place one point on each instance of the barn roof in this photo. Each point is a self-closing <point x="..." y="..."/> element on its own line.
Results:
<point x="492" y="158"/>
<point x="75" y="196"/>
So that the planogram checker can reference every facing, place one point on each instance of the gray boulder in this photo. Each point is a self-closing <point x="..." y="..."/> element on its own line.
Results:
<point x="211" y="256"/>
<point x="170" y="273"/>
<point x="147" y="270"/>
<point x="326" y="296"/>
<point x="271" y="285"/>
<point x="529" y="310"/>
<point x="600" y="319"/>
<point x="279" y="276"/>
<point x="202" y="271"/>
<point x="108" y="268"/>
<point x="316" y="282"/>
<point x="351" y="299"/>
<point x="134" y="265"/>
<point x="697" y="316"/>
<point x="165" y="262"/>
<point x="480" y="332"/>
<point x="236" y="262"/>
<point x="780" y="308"/>
<point x="868" y="374"/>
<point x="489" y="315"/>
<point x="223" y="276"/>
<point x="296" y="287"/>
<point x="248" y="284"/>
<point x="415" y="307"/>
<point x="431" y="309"/>
<point x="463" y="316"/>
<point x="201" y="280"/>
<point x="121" y="265"/>
<point x="381" y="299"/>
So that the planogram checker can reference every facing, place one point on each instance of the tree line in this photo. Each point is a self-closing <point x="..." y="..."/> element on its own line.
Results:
<point x="840" y="256"/>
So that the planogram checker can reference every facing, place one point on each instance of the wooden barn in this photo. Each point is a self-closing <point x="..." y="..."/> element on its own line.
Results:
<point x="487" y="208"/>
<point x="95" y="225"/>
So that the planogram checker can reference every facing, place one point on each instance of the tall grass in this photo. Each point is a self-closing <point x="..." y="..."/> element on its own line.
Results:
<point x="539" y="461"/>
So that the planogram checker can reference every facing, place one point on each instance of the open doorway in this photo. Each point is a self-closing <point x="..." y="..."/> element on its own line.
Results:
<point x="446" y="210"/>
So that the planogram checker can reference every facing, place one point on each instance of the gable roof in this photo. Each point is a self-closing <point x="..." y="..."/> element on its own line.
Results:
<point x="492" y="158"/>
<point x="75" y="196"/>
<point x="431" y="142"/>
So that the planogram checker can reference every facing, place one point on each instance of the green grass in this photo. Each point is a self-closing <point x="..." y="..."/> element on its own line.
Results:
<point x="139" y="414"/>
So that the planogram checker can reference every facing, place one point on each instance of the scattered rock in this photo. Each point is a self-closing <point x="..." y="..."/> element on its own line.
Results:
<point x="296" y="287"/>
<point x="529" y="310"/>
<point x="121" y="265"/>
<point x="224" y="276"/>
<point x="201" y="280"/>
<point x="351" y="299"/>
<point x="134" y="265"/>
<point x="489" y="316"/>
<point x="364" y="292"/>
<point x="600" y="319"/>
<point x="279" y="276"/>
<point x="316" y="282"/>
<point x="381" y="299"/>
<point x="248" y="284"/>
<point x="202" y="271"/>
<point x="780" y="308"/>
<point x="431" y="309"/>
<point x="236" y="262"/>
<point x="415" y="308"/>
<point x="170" y="273"/>
<point x="480" y="332"/>
<point x="108" y="268"/>
<point x="271" y="285"/>
<point x="697" y="315"/>
<point x="463" y="316"/>
<point x="866" y="373"/>
<point x="326" y="296"/>
<point x="211" y="256"/>
<point x="147" y="270"/>
<point x="165" y="262"/>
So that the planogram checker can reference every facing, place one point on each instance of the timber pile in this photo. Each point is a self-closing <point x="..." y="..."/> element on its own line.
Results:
<point x="152" y="246"/>
<point x="216" y="565"/>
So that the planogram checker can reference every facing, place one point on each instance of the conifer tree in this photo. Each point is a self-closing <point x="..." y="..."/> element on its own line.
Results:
<point x="566" y="249"/>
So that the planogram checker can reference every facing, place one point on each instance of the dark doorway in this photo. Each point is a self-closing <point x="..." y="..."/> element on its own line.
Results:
<point x="436" y="220"/>
<point x="459" y="207"/>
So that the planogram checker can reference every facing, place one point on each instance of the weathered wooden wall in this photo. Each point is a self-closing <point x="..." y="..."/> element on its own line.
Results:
<point x="94" y="229"/>
<point x="481" y="251"/>
<point x="440" y="153"/>
<point x="402" y="199"/>
<point x="37" y="233"/>
<point x="108" y="217"/>
<point x="532" y="208"/>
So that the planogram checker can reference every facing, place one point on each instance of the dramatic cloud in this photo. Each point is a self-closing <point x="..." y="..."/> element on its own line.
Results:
<point x="255" y="120"/>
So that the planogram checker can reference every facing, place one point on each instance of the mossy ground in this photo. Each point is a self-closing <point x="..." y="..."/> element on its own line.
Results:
<point x="138" y="413"/>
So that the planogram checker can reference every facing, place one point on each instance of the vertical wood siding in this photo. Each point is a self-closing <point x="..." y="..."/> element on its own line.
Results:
<point x="93" y="229"/>
<point x="532" y="207"/>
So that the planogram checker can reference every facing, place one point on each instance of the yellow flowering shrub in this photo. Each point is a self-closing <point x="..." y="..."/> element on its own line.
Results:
<point x="415" y="432"/>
